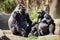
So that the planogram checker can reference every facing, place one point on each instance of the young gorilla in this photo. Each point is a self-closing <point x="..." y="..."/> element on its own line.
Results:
<point x="35" y="29"/>
<point x="44" y="25"/>
<point x="18" y="21"/>
<point x="48" y="20"/>
<point x="47" y="25"/>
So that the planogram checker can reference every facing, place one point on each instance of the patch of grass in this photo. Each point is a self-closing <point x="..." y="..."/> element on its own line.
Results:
<point x="41" y="38"/>
<point x="30" y="38"/>
<point x="33" y="13"/>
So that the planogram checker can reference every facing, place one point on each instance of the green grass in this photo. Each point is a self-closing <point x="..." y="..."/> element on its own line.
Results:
<point x="33" y="13"/>
<point x="30" y="38"/>
<point x="40" y="38"/>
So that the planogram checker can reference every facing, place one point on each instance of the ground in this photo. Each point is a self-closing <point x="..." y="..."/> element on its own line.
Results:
<point x="14" y="37"/>
<point x="47" y="37"/>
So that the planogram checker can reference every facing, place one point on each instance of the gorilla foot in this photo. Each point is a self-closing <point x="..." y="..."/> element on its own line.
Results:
<point x="51" y="34"/>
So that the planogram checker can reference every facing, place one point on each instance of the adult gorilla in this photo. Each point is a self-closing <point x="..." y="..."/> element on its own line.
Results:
<point x="19" y="20"/>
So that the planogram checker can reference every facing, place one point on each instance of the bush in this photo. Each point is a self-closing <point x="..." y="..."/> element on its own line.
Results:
<point x="33" y="13"/>
<point x="7" y="5"/>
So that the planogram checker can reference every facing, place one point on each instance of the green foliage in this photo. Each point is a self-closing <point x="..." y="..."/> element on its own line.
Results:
<point x="33" y="13"/>
<point x="30" y="38"/>
<point x="40" y="38"/>
<point x="7" y="6"/>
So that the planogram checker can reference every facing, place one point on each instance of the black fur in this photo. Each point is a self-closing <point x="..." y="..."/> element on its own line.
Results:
<point x="18" y="23"/>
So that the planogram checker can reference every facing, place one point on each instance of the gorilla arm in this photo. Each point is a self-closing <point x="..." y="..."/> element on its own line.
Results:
<point x="29" y="23"/>
<point x="28" y="19"/>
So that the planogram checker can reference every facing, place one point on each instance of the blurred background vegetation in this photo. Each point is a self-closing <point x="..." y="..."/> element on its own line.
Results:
<point x="7" y="5"/>
<point x="32" y="6"/>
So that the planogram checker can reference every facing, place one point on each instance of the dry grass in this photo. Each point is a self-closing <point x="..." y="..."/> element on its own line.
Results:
<point x="49" y="37"/>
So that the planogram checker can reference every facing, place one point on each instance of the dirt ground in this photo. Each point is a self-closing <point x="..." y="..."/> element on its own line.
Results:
<point x="14" y="37"/>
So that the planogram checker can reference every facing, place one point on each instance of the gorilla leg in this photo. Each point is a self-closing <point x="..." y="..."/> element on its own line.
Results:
<point x="51" y="28"/>
<point x="43" y="27"/>
<point x="28" y="31"/>
<point x="12" y="25"/>
<point x="14" y="31"/>
<point x="22" y="32"/>
<point x="33" y="31"/>
<point x="29" y="28"/>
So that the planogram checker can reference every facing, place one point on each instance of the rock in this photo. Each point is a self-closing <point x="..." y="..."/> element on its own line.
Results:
<point x="1" y="33"/>
<point x="57" y="32"/>
<point x="3" y="36"/>
<point x="57" y="22"/>
<point x="4" y="21"/>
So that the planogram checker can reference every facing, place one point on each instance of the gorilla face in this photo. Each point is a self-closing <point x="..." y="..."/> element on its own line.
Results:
<point x="21" y="10"/>
<point x="41" y="14"/>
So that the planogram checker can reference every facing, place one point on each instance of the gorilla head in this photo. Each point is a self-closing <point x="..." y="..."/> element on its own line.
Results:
<point x="41" y="14"/>
<point x="22" y="10"/>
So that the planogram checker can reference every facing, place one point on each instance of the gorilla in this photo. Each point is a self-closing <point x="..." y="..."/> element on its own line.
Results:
<point x="41" y="14"/>
<point x="35" y="29"/>
<point x="48" y="20"/>
<point x="45" y="25"/>
<point x="19" y="20"/>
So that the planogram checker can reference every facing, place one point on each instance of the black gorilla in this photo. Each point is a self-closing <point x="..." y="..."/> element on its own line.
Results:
<point x="35" y="30"/>
<point x="49" y="25"/>
<point x="18" y="22"/>
<point x="41" y="14"/>
<point x="48" y="20"/>
<point x="45" y="25"/>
